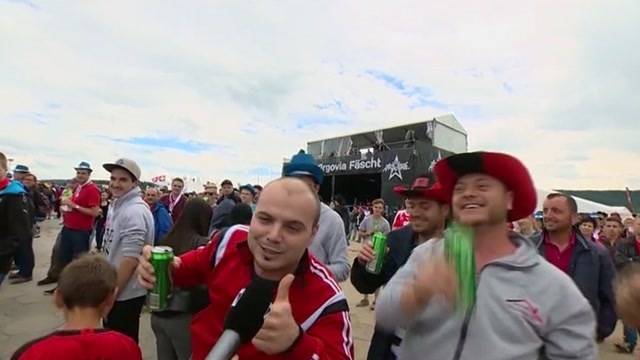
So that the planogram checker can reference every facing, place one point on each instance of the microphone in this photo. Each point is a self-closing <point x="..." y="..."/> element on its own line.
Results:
<point x="244" y="319"/>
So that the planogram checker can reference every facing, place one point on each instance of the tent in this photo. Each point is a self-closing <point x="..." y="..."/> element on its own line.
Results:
<point x="585" y="206"/>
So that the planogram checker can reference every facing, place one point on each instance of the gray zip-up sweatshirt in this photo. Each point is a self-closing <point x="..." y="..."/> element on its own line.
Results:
<point x="329" y="245"/>
<point x="128" y="228"/>
<point x="525" y="309"/>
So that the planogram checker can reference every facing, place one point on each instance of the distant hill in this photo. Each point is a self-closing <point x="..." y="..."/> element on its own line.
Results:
<point x="607" y="197"/>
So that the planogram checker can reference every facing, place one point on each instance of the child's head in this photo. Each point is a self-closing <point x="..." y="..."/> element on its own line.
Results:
<point x="627" y="289"/>
<point x="88" y="282"/>
<point x="3" y="166"/>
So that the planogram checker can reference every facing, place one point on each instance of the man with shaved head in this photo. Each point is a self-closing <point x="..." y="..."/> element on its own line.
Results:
<point x="309" y="315"/>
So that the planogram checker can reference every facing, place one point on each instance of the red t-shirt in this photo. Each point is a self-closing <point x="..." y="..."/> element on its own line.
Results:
<point x="86" y="344"/>
<point x="637" y="242"/>
<point x="561" y="259"/>
<point x="86" y="196"/>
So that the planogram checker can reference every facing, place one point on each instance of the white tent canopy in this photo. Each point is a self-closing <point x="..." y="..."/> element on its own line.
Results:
<point x="586" y="206"/>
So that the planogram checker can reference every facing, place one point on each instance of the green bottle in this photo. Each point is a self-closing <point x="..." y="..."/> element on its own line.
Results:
<point x="459" y="251"/>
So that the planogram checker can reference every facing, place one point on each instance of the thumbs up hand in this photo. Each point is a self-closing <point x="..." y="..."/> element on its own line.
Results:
<point x="279" y="330"/>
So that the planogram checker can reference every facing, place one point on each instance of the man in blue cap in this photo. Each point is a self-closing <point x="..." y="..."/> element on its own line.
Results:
<point x="24" y="257"/>
<point x="15" y="222"/>
<point x="19" y="172"/>
<point x="330" y="243"/>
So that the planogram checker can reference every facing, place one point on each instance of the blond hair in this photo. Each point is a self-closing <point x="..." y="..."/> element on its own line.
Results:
<point x="3" y="162"/>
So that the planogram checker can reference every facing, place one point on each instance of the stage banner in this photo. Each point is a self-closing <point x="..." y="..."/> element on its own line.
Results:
<point x="392" y="163"/>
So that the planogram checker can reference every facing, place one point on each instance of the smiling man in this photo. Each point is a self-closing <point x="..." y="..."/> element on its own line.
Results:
<point x="175" y="200"/>
<point x="128" y="228"/>
<point x="427" y="207"/>
<point x="589" y="265"/>
<point x="524" y="306"/>
<point x="309" y="318"/>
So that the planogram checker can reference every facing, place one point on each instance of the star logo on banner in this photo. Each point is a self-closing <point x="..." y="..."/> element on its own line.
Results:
<point x="395" y="168"/>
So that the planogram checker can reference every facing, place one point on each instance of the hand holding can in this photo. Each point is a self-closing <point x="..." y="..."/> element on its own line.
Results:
<point x="366" y="253"/>
<point x="161" y="259"/>
<point x="146" y="273"/>
<point x="379" y="249"/>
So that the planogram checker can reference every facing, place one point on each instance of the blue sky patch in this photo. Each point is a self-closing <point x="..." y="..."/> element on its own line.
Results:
<point x="422" y="95"/>
<point x="307" y="121"/>
<point x="170" y="143"/>
<point x="28" y="3"/>
<point x="390" y="80"/>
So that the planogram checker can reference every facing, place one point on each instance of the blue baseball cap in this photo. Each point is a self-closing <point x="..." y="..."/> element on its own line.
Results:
<point x="303" y="164"/>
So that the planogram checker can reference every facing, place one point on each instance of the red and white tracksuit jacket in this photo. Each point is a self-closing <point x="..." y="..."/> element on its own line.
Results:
<point x="402" y="219"/>
<point x="225" y="265"/>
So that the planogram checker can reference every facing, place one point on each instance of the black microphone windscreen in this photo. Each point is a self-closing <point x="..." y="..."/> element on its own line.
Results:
<point x="247" y="316"/>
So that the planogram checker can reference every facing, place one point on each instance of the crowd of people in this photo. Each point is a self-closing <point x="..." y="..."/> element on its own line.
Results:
<point x="553" y="284"/>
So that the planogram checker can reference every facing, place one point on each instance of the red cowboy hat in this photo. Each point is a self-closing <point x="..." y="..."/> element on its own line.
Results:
<point x="506" y="168"/>
<point x="424" y="186"/>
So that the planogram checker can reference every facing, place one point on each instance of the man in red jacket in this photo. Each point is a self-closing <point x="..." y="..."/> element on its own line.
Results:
<point x="309" y="316"/>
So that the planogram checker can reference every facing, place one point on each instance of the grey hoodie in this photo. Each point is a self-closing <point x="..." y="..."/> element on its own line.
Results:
<point x="525" y="309"/>
<point x="128" y="228"/>
<point x="329" y="245"/>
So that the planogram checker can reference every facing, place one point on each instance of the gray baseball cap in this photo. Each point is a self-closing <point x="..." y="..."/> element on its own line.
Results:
<point x="126" y="164"/>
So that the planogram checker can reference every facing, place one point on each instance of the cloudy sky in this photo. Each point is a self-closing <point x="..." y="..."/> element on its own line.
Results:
<point x="229" y="89"/>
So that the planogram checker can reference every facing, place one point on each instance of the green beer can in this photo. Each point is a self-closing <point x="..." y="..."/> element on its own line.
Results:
<point x="379" y="249"/>
<point x="161" y="258"/>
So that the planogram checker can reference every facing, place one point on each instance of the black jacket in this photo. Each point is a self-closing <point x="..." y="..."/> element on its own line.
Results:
<point x="344" y="215"/>
<point x="401" y="243"/>
<point x="626" y="253"/>
<point x="592" y="271"/>
<point x="15" y="223"/>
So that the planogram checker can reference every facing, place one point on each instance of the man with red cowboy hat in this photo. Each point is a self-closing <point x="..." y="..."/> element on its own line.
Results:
<point x="427" y="205"/>
<point x="523" y="306"/>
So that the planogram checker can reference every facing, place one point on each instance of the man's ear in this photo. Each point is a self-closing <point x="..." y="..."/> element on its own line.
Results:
<point x="509" y="200"/>
<point x="314" y="231"/>
<point x="446" y="210"/>
<point x="57" y="299"/>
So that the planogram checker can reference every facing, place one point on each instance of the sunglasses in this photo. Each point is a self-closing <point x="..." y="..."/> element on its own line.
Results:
<point x="210" y="193"/>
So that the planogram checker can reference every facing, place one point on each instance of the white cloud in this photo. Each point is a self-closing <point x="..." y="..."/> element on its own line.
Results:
<point x="543" y="80"/>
